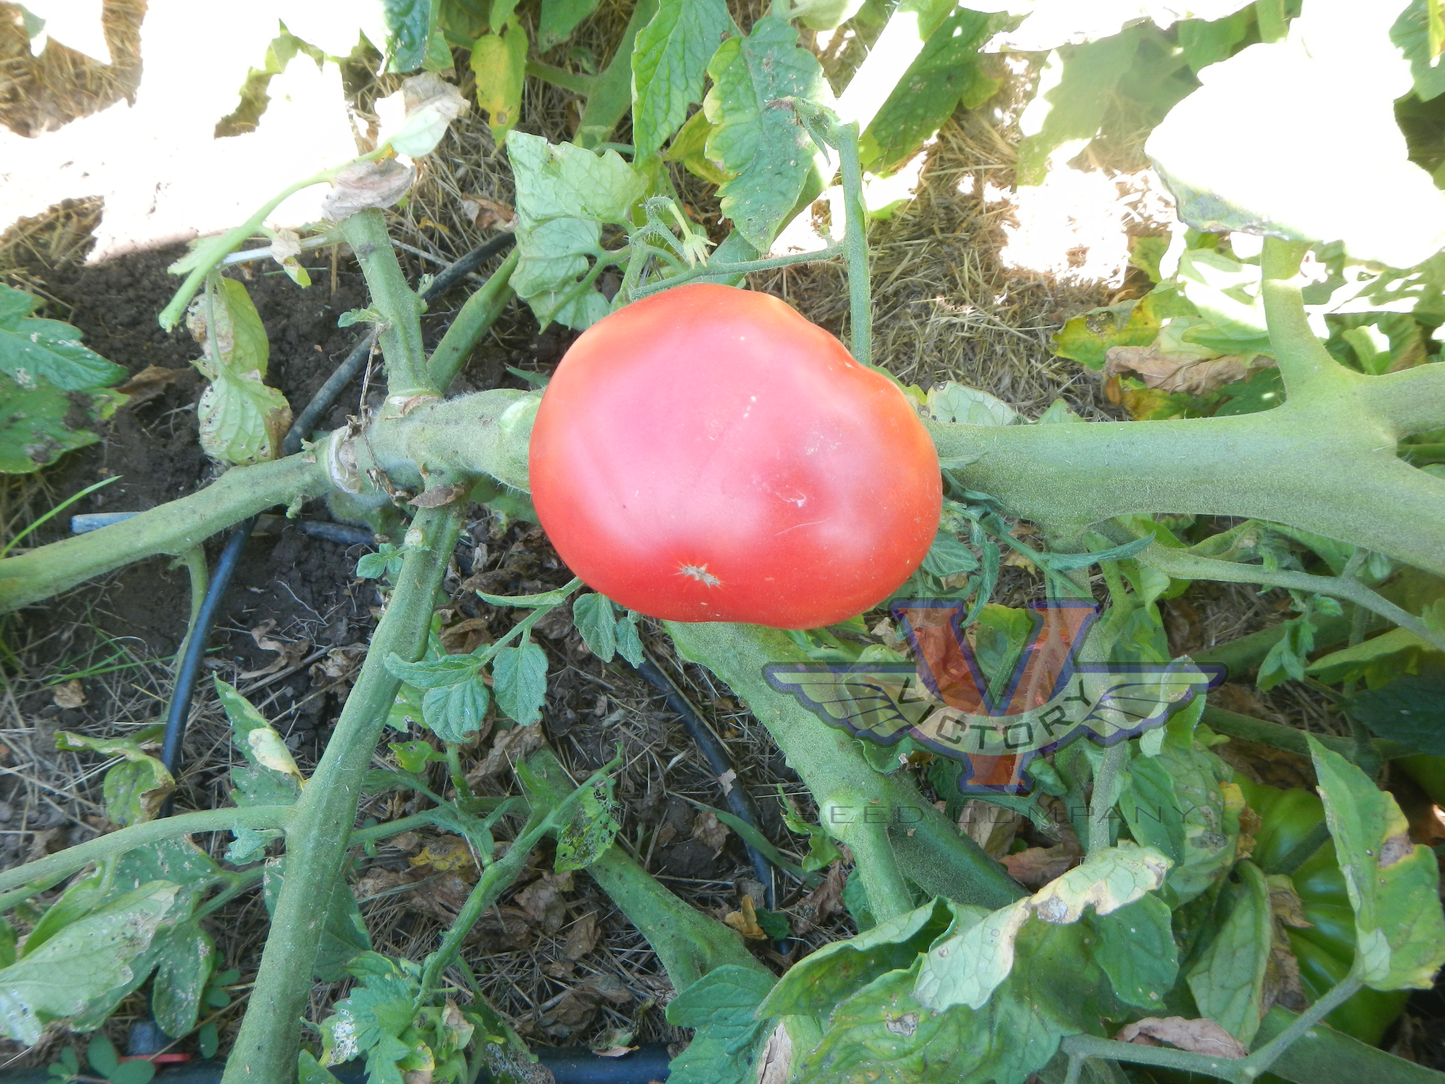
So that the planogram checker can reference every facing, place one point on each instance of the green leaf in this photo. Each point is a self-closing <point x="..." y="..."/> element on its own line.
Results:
<point x="1137" y="952"/>
<point x="763" y="149"/>
<point x="560" y="18"/>
<point x="436" y="673"/>
<point x="499" y="61"/>
<point x="958" y="404"/>
<point x="720" y="1005"/>
<point x="593" y="616"/>
<point x="368" y="1023"/>
<point x="1175" y="804"/>
<point x="689" y="147"/>
<point x="208" y="1041"/>
<point x="629" y="643"/>
<point x="1392" y="883"/>
<point x="358" y="316"/>
<point x="455" y="712"/>
<point x="1377" y="661"/>
<point x="1228" y="979"/>
<point x="1408" y="710"/>
<point x="591" y="830"/>
<point x="135" y="789"/>
<point x="414" y="756"/>
<point x="81" y="962"/>
<point x="409" y="25"/>
<point x="884" y="1035"/>
<point x="1334" y="61"/>
<point x="133" y="1072"/>
<point x="100" y="1052"/>
<point x="965" y="967"/>
<point x="1289" y="656"/>
<point x="564" y="195"/>
<point x="40" y="423"/>
<point x="47" y="350"/>
<point x="260" y="786"/>
<point x="7" y="943"/>
<point x="309" y="1071"/>
<point x="1411" y="34"/>
<point x="1075" y="89"/>
<point x="1087" y="338"/>
<point x="949" y="556"/>
<point x="828" y="975"/>
<point x="943" y="73"/>
<point x="520" y="681"/>
<point x="253" y="736"/>
<point x="669" y="61"/>
<point x="242" y="420"/>
<point x="184" y="958"/>
<point x="1205" y="43"/>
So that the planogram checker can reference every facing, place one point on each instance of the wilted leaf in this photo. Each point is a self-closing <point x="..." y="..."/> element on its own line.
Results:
<point x="582" y="937"/>
<point x="709" y="831"/>
<point x="367" y="185"/>
<point x="1198" y="1036"/>
<point x="542" y="900"/>
<point x="242" y="419"/>
<point x="745" y="920"/>
<point x="431" y="104"/>
<point x="965" y="968"/>
<point x="1179" y="372"/>
<point x="1035" y="867"/>
<point x="148" y="384"/>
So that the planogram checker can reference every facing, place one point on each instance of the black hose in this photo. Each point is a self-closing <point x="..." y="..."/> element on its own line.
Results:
<point x="739" y="801"/>
<point x="568" y="1065"/>
<point x="220" y="581"/>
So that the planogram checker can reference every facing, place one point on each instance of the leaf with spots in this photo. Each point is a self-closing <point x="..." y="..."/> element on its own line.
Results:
<point x="1393" y="883"/>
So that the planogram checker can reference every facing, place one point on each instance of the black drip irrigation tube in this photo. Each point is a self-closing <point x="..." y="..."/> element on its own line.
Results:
<point x="568" y="1065"/>
<point x="188" y="673"/>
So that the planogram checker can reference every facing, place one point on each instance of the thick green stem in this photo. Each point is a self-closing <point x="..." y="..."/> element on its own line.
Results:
<point x="576" y="82"/>
<point x="1187" y="566"/>
<point x="317" y="837"/>
<point x="394" y="299"/>
<point x="1279" y="736"/>
<point x="1333" y="475"/>
<point x="688" y="943"/>
<point x="1101" y="835"/>
<point x="860" y="294"/>
<point x="53" y="867"/>
<point x="852" y="797"/>
<point x="610" y="96"/>
<point x="233" y="238"/>
<point x="1311" y="375"/>
<point x="171" y="528"/>
<point x="878" y="869"/>
<point x="1409" y="402"/>
<point x="473" y="321"/>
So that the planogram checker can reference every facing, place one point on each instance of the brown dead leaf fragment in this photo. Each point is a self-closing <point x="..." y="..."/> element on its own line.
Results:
<point x="288" y="655"/>
<point x="777" y="1060"/>
<point x="1196" y="1036"/>
<point x="710" y="831"/>
<point x="489" y="214"/>
<point x="366" y="185"/>
<point x="149" y="384"/>
<point x="745" y="921"/>
<point x="542" y="901"/>
<point x="823" y="902"/>
<point x="447" y="854"/>
<point x="1181" y="372"/>
<point x="992" y="827"/>
<point x="1037" y="866"/>
<point x="69" y="696"/>
<point x="438" y="496"/>
<point x="1396" y="849"/>
<point x="507" y="747"/>
<point x="582" y="937"/>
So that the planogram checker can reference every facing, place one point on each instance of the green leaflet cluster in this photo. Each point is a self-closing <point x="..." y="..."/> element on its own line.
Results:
<point x="51" y="387"/>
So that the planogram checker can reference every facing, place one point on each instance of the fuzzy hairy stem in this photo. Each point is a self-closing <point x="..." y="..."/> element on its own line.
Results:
<point x="171" y="528"/>
<point x="266" y="1047"/>
<point x="853" y="799"/>
<point x="473" y="321"/>
<point x="400" y="307"/>
<point x="1310" y="373"/>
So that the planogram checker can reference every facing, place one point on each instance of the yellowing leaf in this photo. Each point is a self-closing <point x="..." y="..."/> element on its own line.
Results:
<point x="1178" y="372"/>
<point x="966" y="967"/>
<point x="271" y="752"/>
<point x="499" y="62"/>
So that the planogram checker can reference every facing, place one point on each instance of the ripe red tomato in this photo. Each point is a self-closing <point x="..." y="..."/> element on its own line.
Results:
<point x="707" y="454"/>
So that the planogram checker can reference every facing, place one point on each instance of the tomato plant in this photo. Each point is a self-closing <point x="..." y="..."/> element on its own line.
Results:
<point x="708" y="454"/>
<point x="1326" y="948"/>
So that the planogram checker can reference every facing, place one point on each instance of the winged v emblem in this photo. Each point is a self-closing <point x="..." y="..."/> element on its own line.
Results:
<point x="943" y="701"/>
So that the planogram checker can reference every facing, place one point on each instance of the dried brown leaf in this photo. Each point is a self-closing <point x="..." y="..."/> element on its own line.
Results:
<point x="507" y="747"/>
<point x="1197" y="1036"/>
<point x="149" y="384"/>
<point x="777" y="1060"/>
<point x="823" y="902"/>
<point x="542" y="900"/>
<point x="1037" y="866"/>
<point x="745" y="921"/>
<point x="70" y="695"/>
<point x="990" y="826"/>
<point x="582" y="937"/>
<point x="710" y="831"/>
<point x="489" y="214"/>
<point x="1169" y="372"/>
<point x="365" y="185"/>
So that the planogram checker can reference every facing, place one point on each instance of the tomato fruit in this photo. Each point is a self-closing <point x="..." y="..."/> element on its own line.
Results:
<point x="1326" y="949"/>
<point x="707" y="454"/>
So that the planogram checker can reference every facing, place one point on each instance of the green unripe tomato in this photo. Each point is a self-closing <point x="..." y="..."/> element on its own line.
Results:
<point x="1325" y="950"/>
